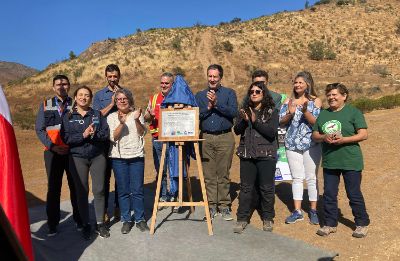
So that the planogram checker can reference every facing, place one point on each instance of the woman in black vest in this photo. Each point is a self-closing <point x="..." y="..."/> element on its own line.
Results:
<point x="257" y="126"/>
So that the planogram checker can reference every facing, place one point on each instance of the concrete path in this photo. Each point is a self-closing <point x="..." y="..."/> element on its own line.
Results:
<point x="177" y="237"/>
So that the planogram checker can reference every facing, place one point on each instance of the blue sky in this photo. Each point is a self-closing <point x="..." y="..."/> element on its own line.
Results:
<point x="37" y="33"/>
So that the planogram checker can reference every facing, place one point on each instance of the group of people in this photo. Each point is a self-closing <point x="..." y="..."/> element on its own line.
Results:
<point x="80" y="139"/>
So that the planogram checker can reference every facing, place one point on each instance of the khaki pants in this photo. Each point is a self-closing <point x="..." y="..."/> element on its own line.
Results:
<point x="216" y="154"/>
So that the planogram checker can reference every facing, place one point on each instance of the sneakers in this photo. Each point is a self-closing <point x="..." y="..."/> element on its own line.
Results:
<point x="86" y="232"/>
<point x="117" y="214"/>
<point x="268" y="225"/>
<point x="326" y="230"/>
<point x="162" y="200"/>
<point x="226" y="214"/>
<point x="142" y="226"/>
<point x="126" y="227"/>
<point x="294" y="217"/>
<point x="360" y="232"/>
<point x="313" y="215"/>
<point x="102" y="230"/>
<point x="239" y="227"/>
<point x="52" y="231"/>
<point x="213" y="213"/>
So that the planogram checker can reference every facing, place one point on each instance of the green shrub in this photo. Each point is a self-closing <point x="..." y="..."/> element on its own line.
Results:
<point x="227" y="46"/>
<point x="385" y="102"/>
<point x="24" y="118"/>
<point x="178" y="70"/>
<point x="329" y="54"/>
<point x="380" y="69"/>
<point x="344" y="2"/>
<point x="398" y="27"/>
<point x="322" y="2"/>
<point x="316" y="50"/>
<point x="176" y="43"/>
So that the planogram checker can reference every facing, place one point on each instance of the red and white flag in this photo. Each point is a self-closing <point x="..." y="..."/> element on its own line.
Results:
<point x="12" y="189"/>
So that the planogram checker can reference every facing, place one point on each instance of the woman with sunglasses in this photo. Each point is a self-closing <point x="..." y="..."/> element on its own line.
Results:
<point x="86" y="131"/>
<point x="340" y="128"/>
<point x="298" y="114"/>
<point x="257" y="126"/>
<point x="127" y="156"/>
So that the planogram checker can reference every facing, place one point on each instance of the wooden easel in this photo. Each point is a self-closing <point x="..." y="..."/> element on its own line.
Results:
<point x="179" y="142"/>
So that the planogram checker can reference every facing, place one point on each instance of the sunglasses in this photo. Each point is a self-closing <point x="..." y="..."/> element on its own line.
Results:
<point x="255" y="92"/>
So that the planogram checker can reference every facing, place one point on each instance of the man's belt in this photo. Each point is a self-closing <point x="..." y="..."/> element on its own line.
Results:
<point x="217" y="132"/>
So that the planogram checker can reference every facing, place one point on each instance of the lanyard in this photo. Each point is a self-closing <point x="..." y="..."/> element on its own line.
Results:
<point x="65" y="105"/>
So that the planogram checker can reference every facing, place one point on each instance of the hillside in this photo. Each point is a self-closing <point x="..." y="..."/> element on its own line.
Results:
<point x="362" y="37"/>
<point x="13" y="71"/>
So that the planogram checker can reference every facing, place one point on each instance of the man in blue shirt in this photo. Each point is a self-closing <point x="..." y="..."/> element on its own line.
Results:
<point x="218" y="108"/>
<point x="104" y="101"/>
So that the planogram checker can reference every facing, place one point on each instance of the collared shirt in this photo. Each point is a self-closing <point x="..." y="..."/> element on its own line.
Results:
<point x="102" y="99"/>
<point x="40" y="125"/>
<point x="220" y="117"/>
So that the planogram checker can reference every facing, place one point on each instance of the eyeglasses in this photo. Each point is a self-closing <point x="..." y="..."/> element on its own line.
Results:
<point x="257" y="92"/>
<point x="122" y="99"/>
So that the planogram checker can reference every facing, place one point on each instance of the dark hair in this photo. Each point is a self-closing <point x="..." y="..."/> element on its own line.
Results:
<point x="112" y="68"/>
<point x="267" y="103"/>
<point x="76" y="93"/>
<point x="60" y="77"/>
<point x="340" y="87"/>
<point x="310" y="91"/>
<point x="216" y="67"/>
<point x="259" y="73"/>
<point x="127" y="94"/>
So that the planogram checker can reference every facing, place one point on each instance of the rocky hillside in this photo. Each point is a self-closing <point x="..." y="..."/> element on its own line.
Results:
<point x="10" y="72"/>
<point x="359" y="45"/>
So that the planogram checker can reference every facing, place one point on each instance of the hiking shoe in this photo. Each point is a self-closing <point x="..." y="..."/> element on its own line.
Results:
<point x="213" y="213"/>
<point x="294" y="217"/>
<point x="162" y="200"/>
<point x="86" y="231"/>
<point x="360" y="232"/>
<point x="326" y="230"/>
<point x="268" y="225"/>
<point x="102" y="230"/>
<point x="239" y="227"/>
<point x="126" y="227"/>
<point x="79" y="227"/>
<point x="226" y="214"/>
<point x="52" y="231"/>
<point x="313" y="215"/>
<point x="142" y="226"/>
<point x="117" y="214"/>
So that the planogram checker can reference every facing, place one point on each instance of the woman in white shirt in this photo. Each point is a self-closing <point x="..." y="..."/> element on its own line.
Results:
<point x="127" y="154"/>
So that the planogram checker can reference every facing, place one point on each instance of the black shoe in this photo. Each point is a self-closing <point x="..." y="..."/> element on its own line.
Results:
<point x="86" y="232"/>
<point x="52" y="231"/>
<point x="142" y="225"/>
<point x="126" y="227"/>
<point x="79" y="226"/>
<point x="102" y="230"/>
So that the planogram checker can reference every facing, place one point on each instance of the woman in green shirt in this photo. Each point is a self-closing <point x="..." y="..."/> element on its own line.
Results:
<point x="340" y="128"/>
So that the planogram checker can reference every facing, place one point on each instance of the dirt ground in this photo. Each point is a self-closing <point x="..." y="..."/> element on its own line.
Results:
<point x="381" y="187"/>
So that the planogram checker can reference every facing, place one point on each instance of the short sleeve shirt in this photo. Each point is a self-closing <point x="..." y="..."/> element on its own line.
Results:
<point x="346" y="121"/>
<point x="299" y="131"/>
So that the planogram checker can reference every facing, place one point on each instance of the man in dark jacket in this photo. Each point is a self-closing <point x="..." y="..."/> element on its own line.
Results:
<point x="48" y="125"/>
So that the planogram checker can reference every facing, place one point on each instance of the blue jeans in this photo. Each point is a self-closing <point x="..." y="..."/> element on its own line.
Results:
<point x="352" y="182"/>
<point x="129" y="174"/>
<point x="157" y="150"/>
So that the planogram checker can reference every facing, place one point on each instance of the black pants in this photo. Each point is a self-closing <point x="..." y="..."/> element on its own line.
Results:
<point x="107" y="186"/>
<point x="80" y="169"/>
<point x="55" y="166"/>
<point x="352" y="183"/>
<point x="263" y="171"/>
